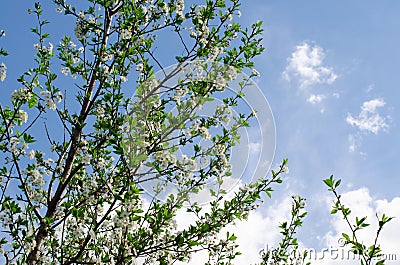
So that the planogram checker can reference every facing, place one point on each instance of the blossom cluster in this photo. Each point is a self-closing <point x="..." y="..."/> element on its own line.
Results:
<point x="22" y="94"/>
<point x="225" y="113"/>
<point x="50" y="104"/>
<point x="179" y="7"/>
<point x="34" y="186"/>
<point x="44" y="49"/>
<point x="6" y="217"/>
<point x="126" y="34"/>
<point x="179" y="93"/>
<point x="80" y="30"/>
<point x="197" y="129"/>
<point x="22" y="116"/>
<point x="165" y="158"/>
<point x="72" y="56"/>
<point x="17" y="147"/>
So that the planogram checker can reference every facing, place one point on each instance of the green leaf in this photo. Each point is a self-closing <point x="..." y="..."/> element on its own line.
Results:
<point x="329" y="182"/>
<point x="3" y="52"/>
<point x="32" y="101"/>
<point x="232" y="238"/>
<point x="179" y="240"/>
<point x="139" y="158"/>
<point x="338" y="183"/>
<point x="346" y="237"/>
<point x="212" y="192"/>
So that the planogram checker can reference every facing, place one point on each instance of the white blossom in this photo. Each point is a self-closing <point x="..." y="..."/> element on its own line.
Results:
<point x="31" y="154"/>
<point x="226" y="120"/>
<point x="255" y="72"/>
<point x="165" y="158"/>
<point x="91" y="20"/>
<point x="59" y="97"/>
<point x="123" y="78"/>
<point x="107" y="57"/>
<point x="53" y="147"/>
<point x="100" y="111"/>
<point x="179" y="93"/>
<point x="126" y="34"/>
<point x="41" y="48"/>
<point x="79" y="31"/>
<point x="22" y="115"/>
<point x="6" y="217"/>
<point x="231" y="72"/>
<point x="65" y="70"/>
<point x="220" y="82"/>
<point x="139" y="67"/>
<point x="220" y="148"/>
<point x="285" y="169"/>
<point x="189" y="164"/>
<point x="49" y="48"/>
<point x="204" y="133"/>
<point x="193" y="33"/>
<point x="86" y="159"/>
<point x="81" y="15"/>
<point x="101" y="162"/>
<point x="3" y="71"/>
<point x="179" y="7"/>
<point x="50" y="104"/>
<point x="13" y="145"/>
<point x="200" y="9"/>
<point x="106" y="69"/>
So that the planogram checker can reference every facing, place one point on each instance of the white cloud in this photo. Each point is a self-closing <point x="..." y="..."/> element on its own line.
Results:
<point x="306" y="65"/>
<point x="260" y="230"/>
<point x="316" y="98"/>
<point x="369" y="119"/>
<point x="254" y="147"/>
<point x="370" y="106"/>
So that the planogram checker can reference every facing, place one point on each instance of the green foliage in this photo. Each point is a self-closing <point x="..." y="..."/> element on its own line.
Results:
<point x="367" y="254"/>
<point x="288" y="250"/>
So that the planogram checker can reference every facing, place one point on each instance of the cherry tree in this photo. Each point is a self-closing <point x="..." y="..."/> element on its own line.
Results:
<point x="71" y="186"/>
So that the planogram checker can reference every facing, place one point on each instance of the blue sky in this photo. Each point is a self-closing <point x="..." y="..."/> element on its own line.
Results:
<point x="330" y="73"/>
<point x="324" y="61"/>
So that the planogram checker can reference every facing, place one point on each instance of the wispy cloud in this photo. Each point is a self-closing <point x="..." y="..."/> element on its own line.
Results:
<point x="306" y="66"/>
<point x="369" y="119"/>
<point x="316" y="98"/>
<point x="354" y="142"/>
<point x="370" y="88"/>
